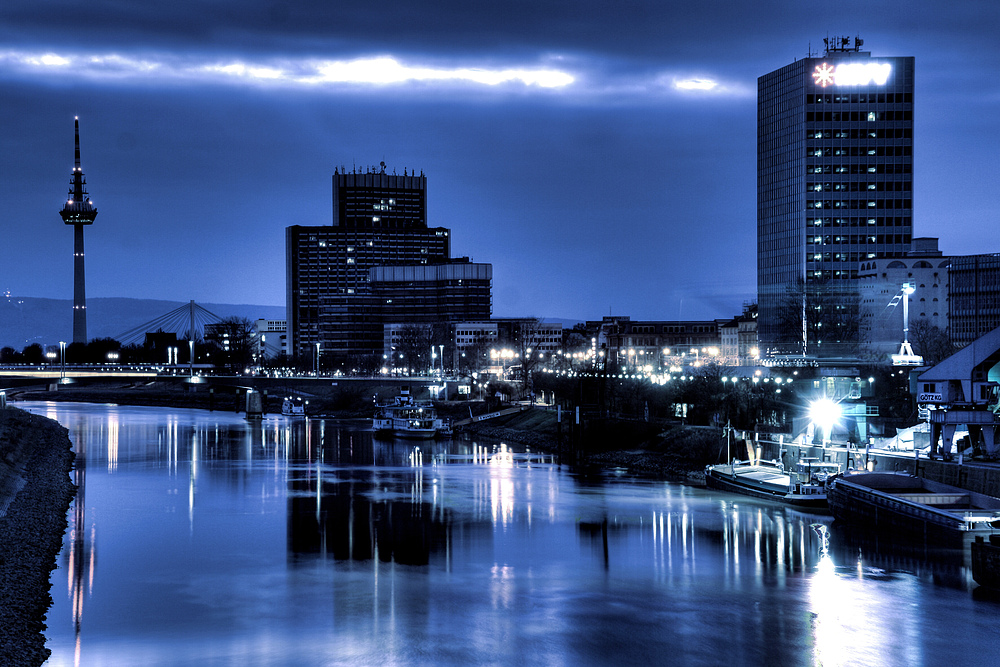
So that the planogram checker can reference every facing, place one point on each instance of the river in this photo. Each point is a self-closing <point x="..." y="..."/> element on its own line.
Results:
<point x="198" y="538"/>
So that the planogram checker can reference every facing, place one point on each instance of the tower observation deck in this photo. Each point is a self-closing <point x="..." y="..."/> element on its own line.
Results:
<point x="78" y="211"/>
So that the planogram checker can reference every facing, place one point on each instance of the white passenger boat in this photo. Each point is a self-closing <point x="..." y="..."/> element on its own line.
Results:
<point x="293" y="407"/>
<point x="406" y="418"/>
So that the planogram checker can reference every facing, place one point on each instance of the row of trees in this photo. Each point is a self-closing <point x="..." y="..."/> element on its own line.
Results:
<point x="822" y="318"/>
<point x="232" y="344"/>
<point x="707" y="400"/>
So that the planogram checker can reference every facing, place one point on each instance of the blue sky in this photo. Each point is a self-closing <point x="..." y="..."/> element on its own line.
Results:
<point x="601" y="155"/>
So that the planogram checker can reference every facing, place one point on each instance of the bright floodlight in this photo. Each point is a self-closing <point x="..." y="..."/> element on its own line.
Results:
<point x="824" y="413"/>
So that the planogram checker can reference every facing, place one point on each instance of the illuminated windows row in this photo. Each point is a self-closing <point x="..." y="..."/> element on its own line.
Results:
<point x="867" y="133"/>
<point x="860" y="98"/>
<point x="857" y="116"/>
<point x="861" y="204"/>
<point x="859" y="151"/>
<point x="884" y="168"/>
<point x="859" y="186"/>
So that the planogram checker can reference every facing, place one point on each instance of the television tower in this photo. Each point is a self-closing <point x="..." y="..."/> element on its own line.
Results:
<point x="78" y="211"/>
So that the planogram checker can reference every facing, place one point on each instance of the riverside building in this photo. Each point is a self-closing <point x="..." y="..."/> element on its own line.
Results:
<point x="834" y="190"/>
<point x="337" y="306"/>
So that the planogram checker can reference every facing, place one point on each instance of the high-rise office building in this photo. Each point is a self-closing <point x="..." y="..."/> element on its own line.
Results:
<point x="379" y="220"/>
<point x="834" y="189"/>
<point x="974" y="297"/>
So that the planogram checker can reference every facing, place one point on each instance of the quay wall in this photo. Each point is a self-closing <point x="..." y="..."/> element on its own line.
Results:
<point x="972" y="476"/>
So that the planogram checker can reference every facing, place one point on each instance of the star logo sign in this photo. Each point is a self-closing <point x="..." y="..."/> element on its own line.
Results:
<point x="823" y="75"/>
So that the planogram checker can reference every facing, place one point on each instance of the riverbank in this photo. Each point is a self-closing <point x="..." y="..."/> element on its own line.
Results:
<point x="676" y="451"/>
<point x="36" y="458"/>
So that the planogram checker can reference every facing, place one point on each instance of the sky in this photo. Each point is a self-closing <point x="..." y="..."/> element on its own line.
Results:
<point x="600" y="155"/>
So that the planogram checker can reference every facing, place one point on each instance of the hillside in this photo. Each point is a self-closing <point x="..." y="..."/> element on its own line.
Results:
<point x="26" y="320"/>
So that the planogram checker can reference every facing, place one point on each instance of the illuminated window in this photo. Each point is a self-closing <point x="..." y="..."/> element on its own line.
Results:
<point x="871" y="116"/>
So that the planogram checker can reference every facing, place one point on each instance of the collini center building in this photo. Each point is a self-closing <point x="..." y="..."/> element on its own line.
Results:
<point x="378" y="264"/>
<point x="834" y="189"/>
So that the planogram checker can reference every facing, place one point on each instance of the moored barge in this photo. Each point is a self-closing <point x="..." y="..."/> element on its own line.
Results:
<point x="912" y="506"/>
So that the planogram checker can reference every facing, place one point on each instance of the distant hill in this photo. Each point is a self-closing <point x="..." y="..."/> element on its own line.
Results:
<point x="27" y="320"/>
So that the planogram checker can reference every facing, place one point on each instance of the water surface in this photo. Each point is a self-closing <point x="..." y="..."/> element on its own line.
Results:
<point x="198" y="538"/>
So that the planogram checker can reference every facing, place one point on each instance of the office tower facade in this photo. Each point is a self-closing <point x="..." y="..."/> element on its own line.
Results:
<point x="78" y="211"/>
<point x="379" y="220"/>
<point x="973" y="297"/>
<point x="834" y="189"/>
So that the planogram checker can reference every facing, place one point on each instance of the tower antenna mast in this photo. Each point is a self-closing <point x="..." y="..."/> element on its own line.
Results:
<point x="78" y="211"/>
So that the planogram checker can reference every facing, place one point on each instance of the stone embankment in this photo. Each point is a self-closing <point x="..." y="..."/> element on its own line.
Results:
<point x="35" y="462"/>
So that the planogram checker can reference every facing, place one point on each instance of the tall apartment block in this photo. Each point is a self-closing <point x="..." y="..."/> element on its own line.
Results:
<point x="337" y="306"/>
<point x="834" y="189"/>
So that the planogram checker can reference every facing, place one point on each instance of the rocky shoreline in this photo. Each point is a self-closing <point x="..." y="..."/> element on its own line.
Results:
<point x="37" y="458"/>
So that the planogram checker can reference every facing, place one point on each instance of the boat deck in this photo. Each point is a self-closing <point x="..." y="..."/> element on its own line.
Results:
<point x="767" y="476"/>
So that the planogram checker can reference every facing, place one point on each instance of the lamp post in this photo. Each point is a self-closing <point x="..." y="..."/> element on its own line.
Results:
<point x="316" y="365"/>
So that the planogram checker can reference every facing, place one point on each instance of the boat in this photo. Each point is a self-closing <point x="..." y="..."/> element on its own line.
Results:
<point x="986" y="561"/>
<point x="293" y="407"/>
<point x="805" y="486"/>
<point x="405" y="417"/>
<point x="902" y="503"/>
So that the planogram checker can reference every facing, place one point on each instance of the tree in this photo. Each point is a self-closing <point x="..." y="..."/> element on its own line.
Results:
<point x="819" y="318"/>
<point x="236" y="339"/>
<point x="32" y="354"/>
<point x="9" y="355"/>
<point x="99" y="349"/>
<point x="475" y="355"/>
<point x="415" y="346"/>
<point x="929" y="341"/>
<point x="519" y="338"/>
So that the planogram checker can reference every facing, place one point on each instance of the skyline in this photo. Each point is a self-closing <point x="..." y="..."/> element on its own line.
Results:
<point x="577" y="150"/>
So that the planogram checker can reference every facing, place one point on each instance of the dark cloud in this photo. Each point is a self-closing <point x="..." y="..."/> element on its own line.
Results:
<point x="617" y="194"/>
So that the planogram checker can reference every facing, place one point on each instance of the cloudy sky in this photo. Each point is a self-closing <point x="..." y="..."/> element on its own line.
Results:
<point x="601" y="155"/>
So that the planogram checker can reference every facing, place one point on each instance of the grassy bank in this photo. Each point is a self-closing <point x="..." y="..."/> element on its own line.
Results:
<point x="38" y="451"/>
<point x="642" y="448"/>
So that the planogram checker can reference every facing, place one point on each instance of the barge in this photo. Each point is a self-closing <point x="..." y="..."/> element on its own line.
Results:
<point x="914" y="507"/>
<point x="804" y="487"/>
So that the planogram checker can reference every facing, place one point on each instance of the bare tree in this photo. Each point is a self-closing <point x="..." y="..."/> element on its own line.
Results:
<point x="930" y="342"/>
<point x="415" y="345"/>
<point x="236" y="339"/>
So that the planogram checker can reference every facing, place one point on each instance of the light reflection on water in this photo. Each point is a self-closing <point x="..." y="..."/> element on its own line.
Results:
<point x="198" y="538"/>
